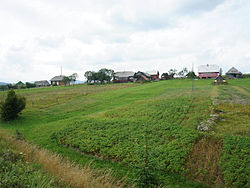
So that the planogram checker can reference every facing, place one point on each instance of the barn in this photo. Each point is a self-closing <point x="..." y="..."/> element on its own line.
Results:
<point x="123" y="77"/>
<point x="42" y="83"/>
<point x="208" y="71"/>
<point x="233" y="73"/>
<point x="142" y="77"/>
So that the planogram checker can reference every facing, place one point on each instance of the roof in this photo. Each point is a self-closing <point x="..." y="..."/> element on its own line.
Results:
<point x="41" y="82"/>
<point x="57" y="78"/>
<point x="208" y="68"/>
<point x="124" y="74"/>
<point x="233" y="71"/>
<point x="19" y="83"/>
<point x="152" y="72"/>
<point x="142" y="73"/>
<point x="219" y="78"/>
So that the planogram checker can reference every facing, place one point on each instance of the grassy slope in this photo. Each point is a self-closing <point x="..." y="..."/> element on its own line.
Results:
<point x="16" y="172"/>
<point x="52" y="109"/>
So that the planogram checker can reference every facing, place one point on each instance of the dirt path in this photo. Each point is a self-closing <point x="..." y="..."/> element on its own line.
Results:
<point x="241" y="90"/>
<point x="214" y="94"/>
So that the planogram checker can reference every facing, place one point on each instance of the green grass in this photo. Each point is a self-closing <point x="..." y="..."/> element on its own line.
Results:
<point x="107" y="123"/>
<point x="16" y="172"/>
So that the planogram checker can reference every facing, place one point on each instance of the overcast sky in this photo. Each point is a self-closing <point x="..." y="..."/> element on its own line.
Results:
<point x="38" y="36"/>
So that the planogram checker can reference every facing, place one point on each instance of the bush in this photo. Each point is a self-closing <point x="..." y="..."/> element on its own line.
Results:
<point x="12" y="106"/>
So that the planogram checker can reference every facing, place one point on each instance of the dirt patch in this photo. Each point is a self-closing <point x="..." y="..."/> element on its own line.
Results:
<point x="203" y="162"/>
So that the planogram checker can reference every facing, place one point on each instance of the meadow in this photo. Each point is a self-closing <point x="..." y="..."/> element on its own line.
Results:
<point x="125" y="128"/>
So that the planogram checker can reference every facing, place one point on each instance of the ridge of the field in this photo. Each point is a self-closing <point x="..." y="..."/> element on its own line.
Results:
<point x="61" y="119"/>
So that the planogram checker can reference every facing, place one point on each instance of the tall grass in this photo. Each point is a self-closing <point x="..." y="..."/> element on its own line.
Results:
<point x="62" y="169"/>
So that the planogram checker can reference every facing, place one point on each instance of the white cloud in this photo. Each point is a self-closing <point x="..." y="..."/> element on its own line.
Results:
<point x="37" y="37"/>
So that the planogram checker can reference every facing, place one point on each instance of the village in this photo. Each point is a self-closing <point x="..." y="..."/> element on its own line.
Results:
<point x="209" y="71"/>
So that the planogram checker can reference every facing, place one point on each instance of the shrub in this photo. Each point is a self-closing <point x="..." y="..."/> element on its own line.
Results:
<point x="12" y="106"/>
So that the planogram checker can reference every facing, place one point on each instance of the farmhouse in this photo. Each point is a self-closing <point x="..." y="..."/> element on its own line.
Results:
<point x="142" y="77"/>
<point x="208" y="71"/>
<point x="154" y="74"/>
<point x="57" y="80"/>
<point x="124" y="76"/>
<point x="42" y="83"/>
<point x="233" y="73"/>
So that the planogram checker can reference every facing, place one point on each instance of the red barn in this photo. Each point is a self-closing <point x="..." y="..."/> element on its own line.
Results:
<point x="208" y="71"/>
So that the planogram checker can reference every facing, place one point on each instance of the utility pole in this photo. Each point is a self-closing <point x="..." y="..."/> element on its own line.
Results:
<point x="61" y="70"/>
<point x="192" y="77"/>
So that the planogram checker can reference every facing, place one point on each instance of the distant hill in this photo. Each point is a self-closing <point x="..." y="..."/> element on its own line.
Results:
<point x="3" y="83"/>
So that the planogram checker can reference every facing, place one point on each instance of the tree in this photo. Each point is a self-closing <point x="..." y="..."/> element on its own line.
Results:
<point x="183" y="72"/>
<point x="171" y="73"/>
<point x="165" y="76"/>
<point x="101" y="76"/>
<point x="73" y="77"/>
<point x="12" y="106"/>
<point x="89" y="76"/>
<point x="191" y="74"/>
<point x="30" y="85"/>
<point x="65" y="80"/>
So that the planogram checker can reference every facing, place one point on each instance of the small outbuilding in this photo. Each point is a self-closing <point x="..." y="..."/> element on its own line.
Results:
<point x="42" y="83"/>
<point x="233" y="73"/>
<point x="220" y="80"/>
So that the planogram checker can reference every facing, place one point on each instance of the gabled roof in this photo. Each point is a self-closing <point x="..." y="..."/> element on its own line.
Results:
<point x="233" y="71"/>
<point x="124" y="74"/>
<point x="219" y="78"/>
<point x="20" y="83"/>
<point x="57" y="78"/>
<point x="139" y="73"/>
<point x="208" y="68"/>
<point x="42" y="82"/>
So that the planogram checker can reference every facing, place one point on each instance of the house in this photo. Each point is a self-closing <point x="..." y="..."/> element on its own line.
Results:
<point x="208" y="71"/>
<point x="233" y="73"/>
<point x="220" y="80"/>
<point x="123" y="77"/>
<point x="154" y="74"/>
<point x="19" y="84"/>
<point x="142" y="77"/>
<point x="42" y="83"/>
<point x="57" y="80"/>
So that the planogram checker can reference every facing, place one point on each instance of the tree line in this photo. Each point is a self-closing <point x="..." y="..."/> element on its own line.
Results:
<point x="102" y="76"/>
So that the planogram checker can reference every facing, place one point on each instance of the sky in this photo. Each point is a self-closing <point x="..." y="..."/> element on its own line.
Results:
<point x="38" y="37"/>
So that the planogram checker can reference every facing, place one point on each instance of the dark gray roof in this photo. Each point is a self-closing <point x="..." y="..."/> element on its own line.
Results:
<point x="124" y="74"/>
<point x="57" y="78"/>
<point x="233" y="71"/>
<point x="42" y="82"/>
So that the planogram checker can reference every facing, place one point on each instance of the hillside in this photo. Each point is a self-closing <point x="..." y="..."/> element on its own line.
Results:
<point x="183" y="138"/>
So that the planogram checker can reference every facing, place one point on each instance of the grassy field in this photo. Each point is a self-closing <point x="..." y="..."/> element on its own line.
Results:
<point x="118" y="126"/>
